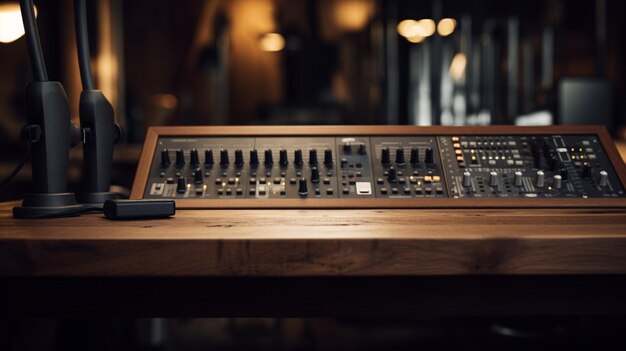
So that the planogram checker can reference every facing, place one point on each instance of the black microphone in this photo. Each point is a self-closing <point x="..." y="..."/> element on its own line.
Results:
<point x="100" y="132"/>
<point x="49" y="131"/>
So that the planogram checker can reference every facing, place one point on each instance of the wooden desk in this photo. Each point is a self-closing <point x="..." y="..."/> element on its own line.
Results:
<point x="319" y="263"/>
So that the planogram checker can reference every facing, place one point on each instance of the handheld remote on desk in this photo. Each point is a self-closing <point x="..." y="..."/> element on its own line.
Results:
<point x="381" y="167"/>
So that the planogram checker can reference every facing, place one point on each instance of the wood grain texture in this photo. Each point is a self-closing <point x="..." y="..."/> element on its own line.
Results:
<point x="328" y="243"/>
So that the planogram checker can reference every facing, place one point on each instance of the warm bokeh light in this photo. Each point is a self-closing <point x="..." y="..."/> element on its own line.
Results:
<point x="427" y="26"/>
<point x="446" y="26"/>
<point x="272" y="42"/>
<point x="457" y="67"/>
<point x="352" y="15"/>
<point x="416" y="39"/>
<point x="412" y="29"/>
<point x="11" y="26"/>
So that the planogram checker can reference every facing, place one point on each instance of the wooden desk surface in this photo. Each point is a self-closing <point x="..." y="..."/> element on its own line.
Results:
<point x="328" y="243"/>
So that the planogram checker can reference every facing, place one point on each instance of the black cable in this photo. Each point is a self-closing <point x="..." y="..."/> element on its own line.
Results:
<point x="32" y="40"/>
<point x="82" y="43"/>
<point x="17" y="169"/>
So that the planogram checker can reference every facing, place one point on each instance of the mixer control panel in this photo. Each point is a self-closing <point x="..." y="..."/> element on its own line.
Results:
<point x="406" y="166"/>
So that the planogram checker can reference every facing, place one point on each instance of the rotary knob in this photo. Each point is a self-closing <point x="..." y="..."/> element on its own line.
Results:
<point x="540" y="179"/>
<point x="208" y="157"/>
<point x="165" y="158"/>
<point x="328" y="157"/>
<point x="297" y="158"/>
<point x="282" y="158"/>
<point x="604" y="179"/>
<point x="315" y="175"/>
<point x="197" y="176"/>
<point x="268" y="160"/>
<point x="313" y="157"/>
<point x="430" y="156"/>
<point x="385" y="158"/>
<point x="493" y="179"/>
<point x="415" y="156"/>
<point x="518" y="179"/>
<point x="302" y="187"/>
<point x="392" y="175"/>
<point x="254" y="157"/>
<point x="238" y="158"/>
<point x="399" y="156"/>
<point x="180" y="158"/>
<point x="224" y="158"/>
<point x="194" y="160"/>
<point x="181" y="185"/>
<point x="558" y="182"/>
<point x="467" y="179"/>
<point x="362" y="149"/>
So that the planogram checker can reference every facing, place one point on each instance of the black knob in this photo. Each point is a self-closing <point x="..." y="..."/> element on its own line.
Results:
<point x="302" y="188"/>
<point x="269" y="160"/>
<point x="180" y="158"/>
<point x="224" y="158"/>
<point x="197" y="176"/>
<point x="208" y="157"/>
<point x="347" y="148"/>
<point x="254" y="157"/>
<point x="282" y="158"/>
<point x="586" y="170"/>
<point x="315" y="175"/>
<point x="194" y="160"/>
<point x="297" y="157"/>
<point x="328" y="157"/>
<point x="312" y="157"/>
<point x="238" y="158"/>
<point x="165" y="158"/>
<point x="392" y="175"/>
<point x="429" y="156"/>
<point x="400" y="156"/>
<point x="415" y="156"/>
<point x="385" y="158"/>
<point x="362" y="149"/>
<point x="181" y="186"/>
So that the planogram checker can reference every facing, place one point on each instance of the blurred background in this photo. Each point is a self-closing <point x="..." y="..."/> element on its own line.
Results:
<point x="252" y="62"/>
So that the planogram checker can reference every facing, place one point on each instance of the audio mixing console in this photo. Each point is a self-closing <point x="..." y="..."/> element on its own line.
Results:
<point x="380" y="166"/>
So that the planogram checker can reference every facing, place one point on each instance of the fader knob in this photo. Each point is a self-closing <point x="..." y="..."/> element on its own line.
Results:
<point x="493" y="179"/>
<point x="392" y="176"/>
<point x="224" y="158"/>
<point x="586" y="170"/>
<point x="467" y="179"/>
<point x="297" y="158"/>
<point x="313" y="157"/>
<point x="254" y="157"/>
<point x="362" y="149"/>
<point x="238" y="158"/>
<point x="328" y="157"/>
<point x="399" y="156"/>
<point x="197" y="176"/>
<point x="268" y="160"/>
<point x="604" y="178"/>
<point x="558" y="182"/>
<point x="541" y="179"/>
<point x="181" y="185"/>
<point x="315" y="175"/>
<point x="415" y="156"/>
<point x="518" y="179"/>
<point x="302" y="187"/>
<point x="208" y="157"/>
<point x="194" y="160"/>
<point x="430" y="156"/>
<point x="180" y="158"/>
<point x="165" y="158"/>
<point x="282" y="158"/>
<point x="385" y="158"/>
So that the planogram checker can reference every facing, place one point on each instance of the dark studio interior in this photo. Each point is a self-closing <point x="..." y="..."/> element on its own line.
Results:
<point x="449" y="249"/>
